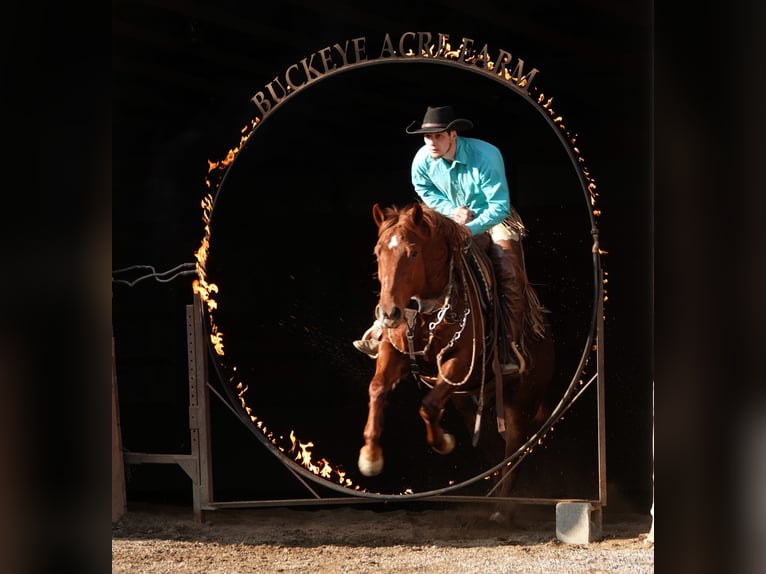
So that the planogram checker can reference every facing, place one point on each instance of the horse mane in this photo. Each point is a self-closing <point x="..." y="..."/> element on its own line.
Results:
<point x="454" y="234"/>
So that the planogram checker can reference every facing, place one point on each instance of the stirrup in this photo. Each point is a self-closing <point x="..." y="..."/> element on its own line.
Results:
<point x="519" y="368"/>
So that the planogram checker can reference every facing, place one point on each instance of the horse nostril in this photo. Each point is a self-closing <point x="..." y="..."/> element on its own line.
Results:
<point x="388" y="318"/>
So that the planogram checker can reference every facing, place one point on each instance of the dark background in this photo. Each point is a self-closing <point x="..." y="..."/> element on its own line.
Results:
<point x="60" y="79"/>
<point x="296" y="210"/>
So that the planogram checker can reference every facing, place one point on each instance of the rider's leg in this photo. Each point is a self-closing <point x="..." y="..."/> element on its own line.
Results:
<point x="508" y="262"/>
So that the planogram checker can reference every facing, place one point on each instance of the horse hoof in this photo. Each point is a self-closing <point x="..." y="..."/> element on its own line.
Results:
<point x="449" y="444"/>
<point x="370" y="467"/>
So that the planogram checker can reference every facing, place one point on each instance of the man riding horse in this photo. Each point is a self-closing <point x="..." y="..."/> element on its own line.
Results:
<point x="464" y="179"/>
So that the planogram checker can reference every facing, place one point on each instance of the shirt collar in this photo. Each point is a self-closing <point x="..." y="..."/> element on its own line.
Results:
<point x="460" y="152"/>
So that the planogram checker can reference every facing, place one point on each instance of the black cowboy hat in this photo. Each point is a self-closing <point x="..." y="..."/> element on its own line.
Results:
<point x="439" y="120"/>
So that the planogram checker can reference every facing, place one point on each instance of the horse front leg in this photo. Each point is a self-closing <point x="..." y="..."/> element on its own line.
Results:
<point x="432" y="406"/>
<point x="388" y="370"/>
<point x="370" y="461"/>
<point x="431" y="410"/>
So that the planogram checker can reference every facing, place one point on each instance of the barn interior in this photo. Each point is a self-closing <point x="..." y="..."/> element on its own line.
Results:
<point x="292" y="232"/>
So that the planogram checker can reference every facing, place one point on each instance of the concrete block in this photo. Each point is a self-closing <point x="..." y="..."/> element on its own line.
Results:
<point x="577" y="522"/>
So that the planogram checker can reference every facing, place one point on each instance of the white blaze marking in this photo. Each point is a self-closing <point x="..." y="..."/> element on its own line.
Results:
<point x="393" y="243"/>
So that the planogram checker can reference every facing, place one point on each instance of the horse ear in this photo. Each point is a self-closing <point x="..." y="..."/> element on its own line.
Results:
<point x="377" y="214"/>
<point x="417" y="214"/>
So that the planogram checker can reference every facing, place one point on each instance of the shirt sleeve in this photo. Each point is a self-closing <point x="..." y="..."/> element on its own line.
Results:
<point x="424" y="186"/>
<point x="495" y="191"/>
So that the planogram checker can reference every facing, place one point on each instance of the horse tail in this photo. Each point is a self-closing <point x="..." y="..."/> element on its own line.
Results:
<point x="534" y="314"/>
<point x="533" y="322"/>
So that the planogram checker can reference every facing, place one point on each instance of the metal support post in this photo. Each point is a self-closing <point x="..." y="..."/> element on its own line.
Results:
<point x="196" y="464"/>
<point x="199" y="408"/>
<point x="600" y="401"/>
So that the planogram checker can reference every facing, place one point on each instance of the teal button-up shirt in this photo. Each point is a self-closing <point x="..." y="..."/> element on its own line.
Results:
<point x="475" y="179"/>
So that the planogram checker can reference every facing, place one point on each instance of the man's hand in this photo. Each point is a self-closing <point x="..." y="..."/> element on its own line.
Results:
<point x="463" y="215"/>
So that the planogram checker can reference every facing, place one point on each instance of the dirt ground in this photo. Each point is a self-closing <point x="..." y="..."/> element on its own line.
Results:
<point x="423" y="538"/>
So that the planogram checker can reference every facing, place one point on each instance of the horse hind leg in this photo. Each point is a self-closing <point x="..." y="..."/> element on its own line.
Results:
<point x="516" y="422"/>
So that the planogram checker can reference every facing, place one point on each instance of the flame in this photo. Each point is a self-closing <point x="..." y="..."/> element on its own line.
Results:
<point x="304" y="455"/>
<point x="217" y="340"/>
<point x="325" y="470"/>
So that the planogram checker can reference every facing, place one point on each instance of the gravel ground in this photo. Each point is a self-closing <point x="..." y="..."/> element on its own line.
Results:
<point x="423" y="539"/>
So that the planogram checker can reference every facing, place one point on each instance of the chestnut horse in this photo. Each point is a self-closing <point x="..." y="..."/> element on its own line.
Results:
<point x="439" y="324"/>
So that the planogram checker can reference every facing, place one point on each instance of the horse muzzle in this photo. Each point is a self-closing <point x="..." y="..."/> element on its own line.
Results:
<point x="389" y="318"/>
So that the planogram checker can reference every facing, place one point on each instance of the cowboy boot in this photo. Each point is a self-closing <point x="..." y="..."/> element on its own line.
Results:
<point x="508" y="263"/>
<point x="370" y="341"/>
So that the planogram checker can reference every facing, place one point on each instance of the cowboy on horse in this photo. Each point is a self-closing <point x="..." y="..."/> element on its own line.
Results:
<point x="464" y="179"/>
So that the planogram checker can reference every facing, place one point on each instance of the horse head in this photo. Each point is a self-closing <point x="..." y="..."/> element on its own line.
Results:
<point x="413" y="260"/>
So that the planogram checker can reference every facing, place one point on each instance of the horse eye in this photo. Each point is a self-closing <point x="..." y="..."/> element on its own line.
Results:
<point x="414" y="253"/>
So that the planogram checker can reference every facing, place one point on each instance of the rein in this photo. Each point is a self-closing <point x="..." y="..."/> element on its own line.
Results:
<point x="458" y="333"/>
